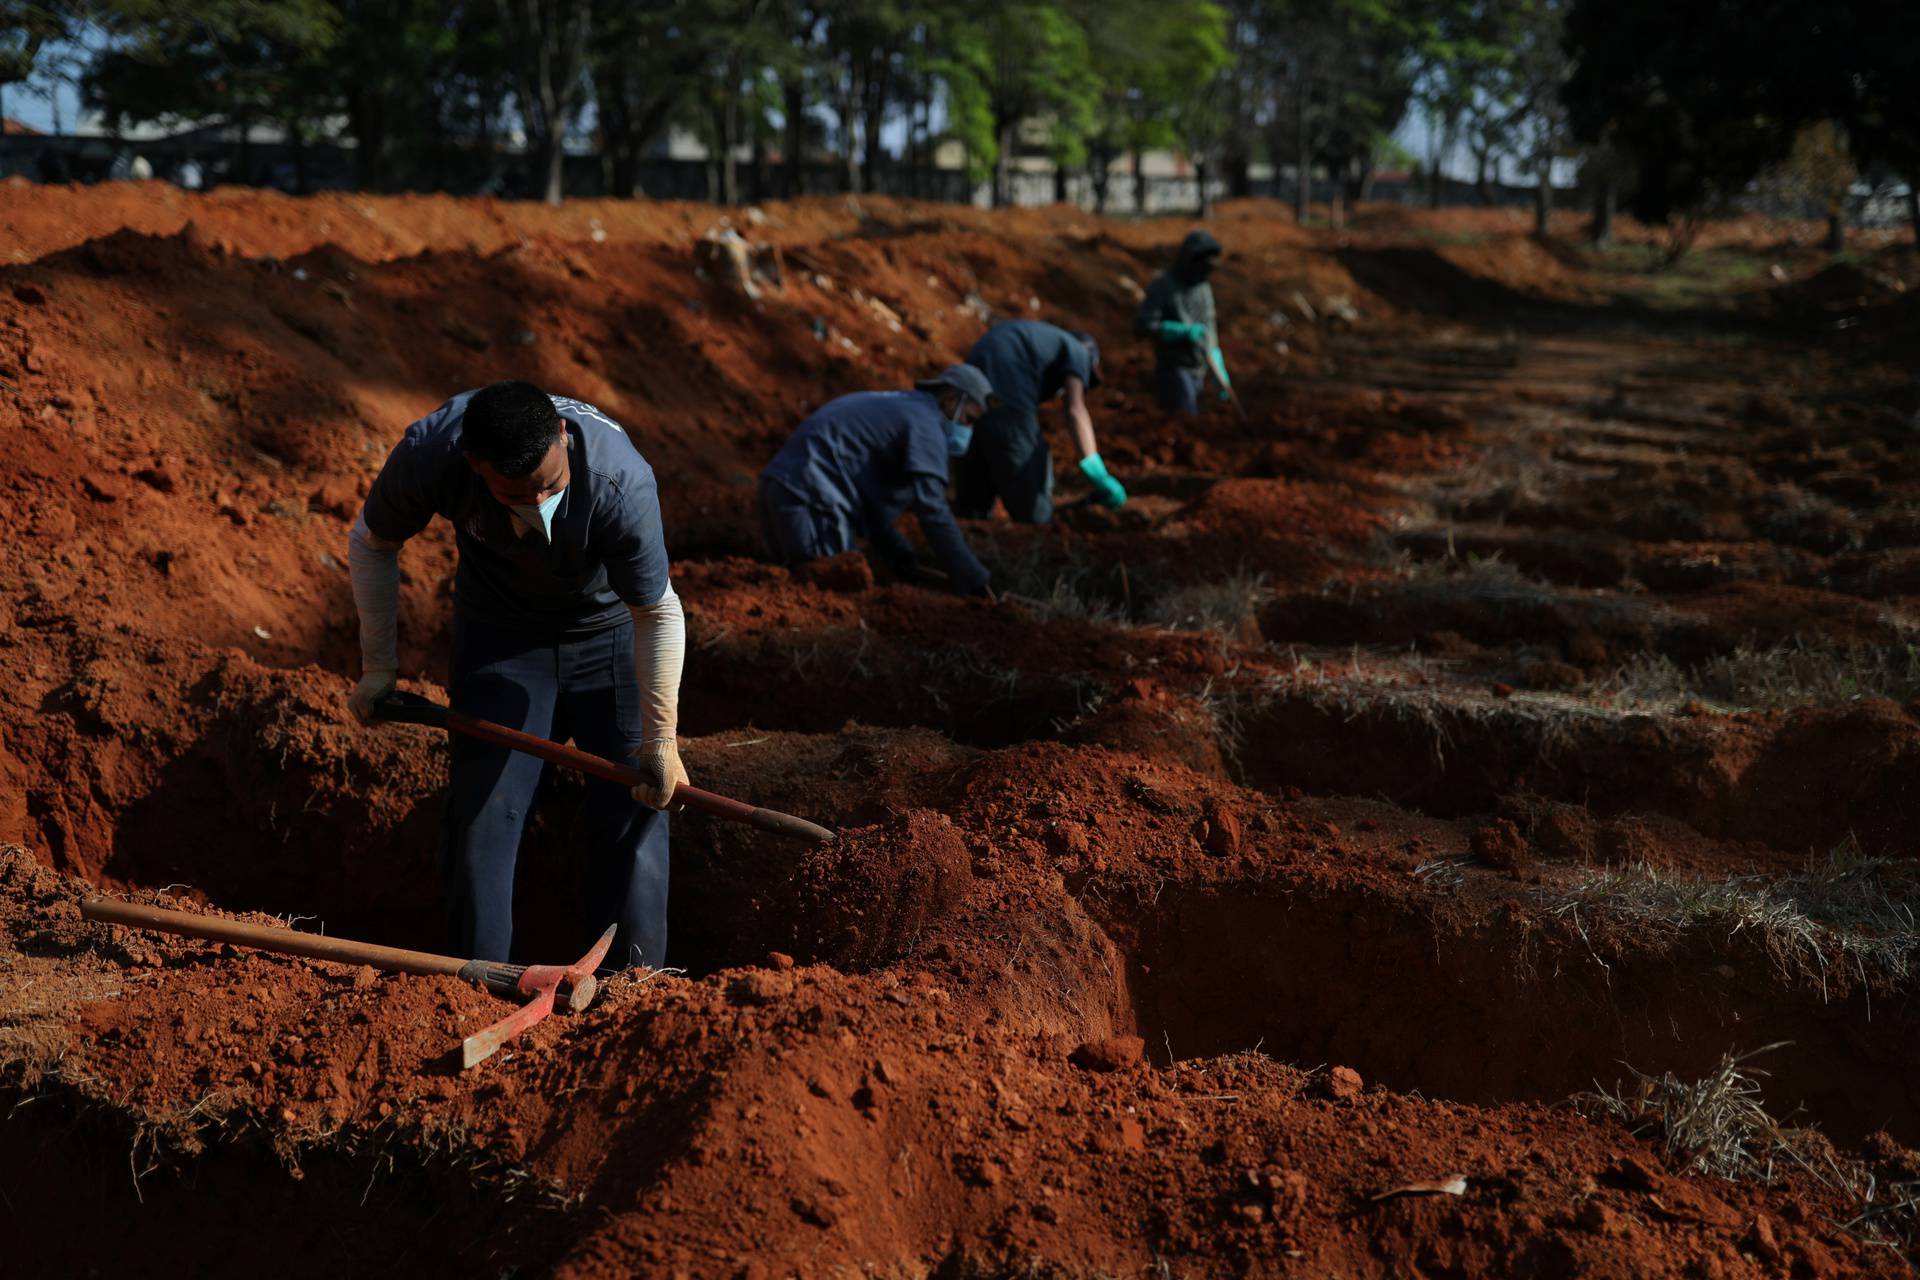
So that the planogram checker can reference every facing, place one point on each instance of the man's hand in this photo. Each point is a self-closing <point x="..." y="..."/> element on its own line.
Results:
<point x="659" y="764"/>
<point x="373" y="686"/>
<point x="1109" y="490"/>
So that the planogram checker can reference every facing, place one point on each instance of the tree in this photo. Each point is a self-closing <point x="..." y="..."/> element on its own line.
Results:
<point x="234" y="62"/>
<point x="1038" y="66"/>
<point x="1704" y="94"/>
<point x="1157" y="63"/>
<point x="548" y="40"/>
<point x="392" y="60"/>
<point x="26" y="29"/>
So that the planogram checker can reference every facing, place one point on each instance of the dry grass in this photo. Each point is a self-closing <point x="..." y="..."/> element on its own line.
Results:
<point x="1227" y="605"/>
<point x="1762" y="679"/>
<point x="1719" y="1126"/>
<point x="1844" y="912"/>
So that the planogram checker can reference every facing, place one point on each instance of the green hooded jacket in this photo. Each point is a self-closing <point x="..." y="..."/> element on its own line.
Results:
<point x="1183" y="294"/>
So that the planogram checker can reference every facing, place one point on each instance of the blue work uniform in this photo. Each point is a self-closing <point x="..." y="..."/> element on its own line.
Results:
<point x="1028" y="363"/>
<point x="852" y="470"/>
<point x="542" y="642"/>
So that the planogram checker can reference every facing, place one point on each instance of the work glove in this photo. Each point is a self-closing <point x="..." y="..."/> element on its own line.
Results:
<point x="658" y="761"/>
<point x="1109" y="490"/>
<point x="1182" y="331"/>
<point x="373" y="686"/>
<point x="1219" y="361"/>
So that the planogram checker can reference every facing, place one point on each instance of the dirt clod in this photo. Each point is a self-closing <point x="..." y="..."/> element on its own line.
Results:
<point x="1115" y="1053"/>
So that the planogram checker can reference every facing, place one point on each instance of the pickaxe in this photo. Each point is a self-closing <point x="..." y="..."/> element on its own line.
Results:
<point x="410" y="708"/>
<point x="536" y="984"/>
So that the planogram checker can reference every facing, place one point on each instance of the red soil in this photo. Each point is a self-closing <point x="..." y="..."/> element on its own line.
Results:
<point x="1095" y="853"/>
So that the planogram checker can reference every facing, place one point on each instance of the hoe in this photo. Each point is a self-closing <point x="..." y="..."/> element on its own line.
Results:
<point x="537" y="985"/>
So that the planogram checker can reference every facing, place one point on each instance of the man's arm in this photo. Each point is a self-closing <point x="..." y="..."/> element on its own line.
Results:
<point x="1078" y="419"/>
<point x="1092" y="466"/>
<point x="969" y="576"/>
<point x="659" y="656"/>
<point x="373" y="563"/>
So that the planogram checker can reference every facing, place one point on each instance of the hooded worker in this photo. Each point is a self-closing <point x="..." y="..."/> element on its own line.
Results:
<point x="1178" y="315"/>
<point x="1029" y="363"/>
<point x="860" y="462"/>
<point x="565" y="625"/>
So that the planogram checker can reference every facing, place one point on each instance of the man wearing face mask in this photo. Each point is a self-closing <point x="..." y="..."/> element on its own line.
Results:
<point x="859" y="463"/>
<point x="1029" y="363"/>
<point x="565" y="625"/>
<point x="1177" y="314"/>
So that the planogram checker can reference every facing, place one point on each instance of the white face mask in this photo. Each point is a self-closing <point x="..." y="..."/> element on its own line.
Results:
<point x="539" y="518"/>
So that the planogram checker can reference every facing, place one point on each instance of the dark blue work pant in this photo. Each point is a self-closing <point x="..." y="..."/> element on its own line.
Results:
<point x="796" y="531"/>
<point x="1177" y="387"/>
<point x="584" y="689"/>
<point x="1008" y="460"/>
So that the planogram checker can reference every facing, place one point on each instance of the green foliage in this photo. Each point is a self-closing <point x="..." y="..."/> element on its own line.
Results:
<point x="1705" y="95"/>
<point x="216" y="60"/>
<point x="26" y="29"/>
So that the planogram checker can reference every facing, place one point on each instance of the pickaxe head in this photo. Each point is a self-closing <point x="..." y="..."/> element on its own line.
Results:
<point x="539" y="983"/>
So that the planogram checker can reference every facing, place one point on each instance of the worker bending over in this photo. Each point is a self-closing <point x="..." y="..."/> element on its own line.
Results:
<point x="565" y="625"/>
<point x="860" y="462"/>
<point x="1029" y="363"/>
<point x="1178" y="315"/>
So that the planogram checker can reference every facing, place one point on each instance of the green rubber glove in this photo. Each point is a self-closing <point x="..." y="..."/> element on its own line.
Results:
<point x="1219" y="359"/>
<point x="1103" y="483"/>
<point x="1182" y="331"/>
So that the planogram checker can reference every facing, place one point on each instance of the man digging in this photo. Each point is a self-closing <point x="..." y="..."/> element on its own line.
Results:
<point x="565" y="626"/>
<point x="859" y="463"/>
<point x="1029" y="363"/>
<point x="1178" y="315"/>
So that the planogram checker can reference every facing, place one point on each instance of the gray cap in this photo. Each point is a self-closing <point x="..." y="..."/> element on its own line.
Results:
<point x="965" y="379"/>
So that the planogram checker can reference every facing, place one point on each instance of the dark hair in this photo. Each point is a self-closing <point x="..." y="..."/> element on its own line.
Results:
<point x="509" y="426"/>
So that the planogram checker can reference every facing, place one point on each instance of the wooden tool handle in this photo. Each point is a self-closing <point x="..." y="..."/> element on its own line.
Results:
<point x="692" y="797"/>
<point x="267" y="938"/>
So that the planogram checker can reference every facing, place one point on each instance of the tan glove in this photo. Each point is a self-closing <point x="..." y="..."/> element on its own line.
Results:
<point x="659" y="764"/>
<point x="373" y="686"/>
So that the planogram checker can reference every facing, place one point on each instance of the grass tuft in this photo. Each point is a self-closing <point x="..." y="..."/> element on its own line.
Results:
<point x="1845" y="911"/>
<point x="1719" y="1126"/>
<point x="1793" y="675"/>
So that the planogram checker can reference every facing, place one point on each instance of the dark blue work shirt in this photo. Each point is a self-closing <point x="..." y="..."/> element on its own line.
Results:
<point x="607" y="549"/>
<point x="872" y="456"/>
<point x="1028" y="362"/>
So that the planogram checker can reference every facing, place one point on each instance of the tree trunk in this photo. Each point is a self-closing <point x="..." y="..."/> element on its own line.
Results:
<point x="1059" y="183"/>
<point x="1302" y="160"/>
<point x="1139" y="182"/>
<point x="1543" y="199"/>
<point x="1913" y="207"/>
<point x="1003" y="169"/>
<point x="726" y="129"/>
<point x="1604" y="197"/>
<point x="793" y="181"/>
<point x="1480" y="188"/>
<point x="879" y="89"/>
<point x="1102" y="178"/>
<point x="1836" y="231"/>
<point x="1239" y="174"/>
<point x="1200" y="175"/>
